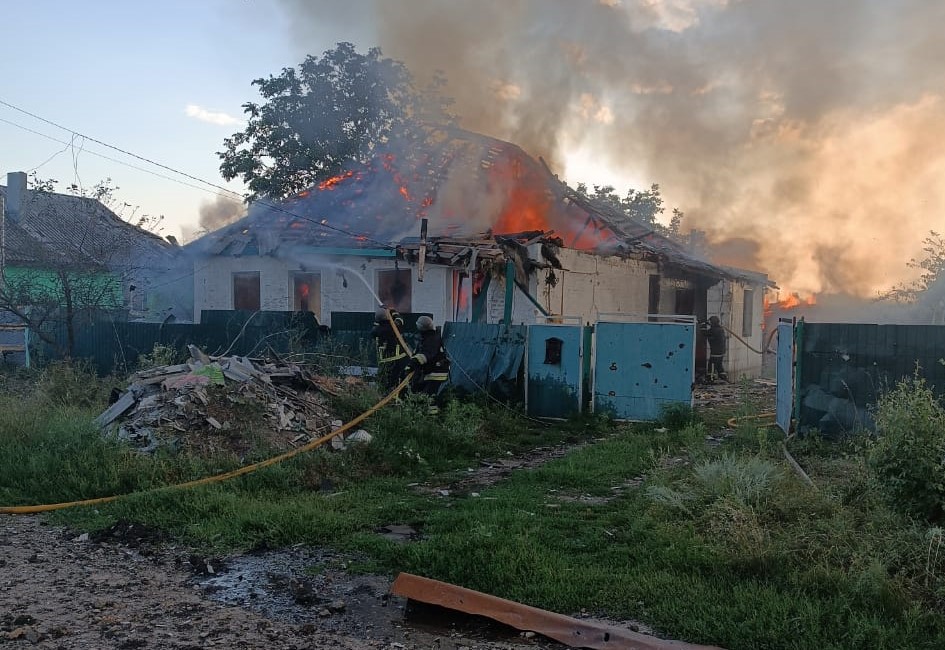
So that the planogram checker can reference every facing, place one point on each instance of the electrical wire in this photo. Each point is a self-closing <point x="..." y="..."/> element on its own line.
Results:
<point x="264" y="203"/>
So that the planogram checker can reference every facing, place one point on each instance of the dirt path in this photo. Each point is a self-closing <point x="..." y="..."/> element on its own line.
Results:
<point x="66" y="591"/>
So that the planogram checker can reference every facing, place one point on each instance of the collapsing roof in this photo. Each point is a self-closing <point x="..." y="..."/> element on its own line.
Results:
<point x="469" y="187"/>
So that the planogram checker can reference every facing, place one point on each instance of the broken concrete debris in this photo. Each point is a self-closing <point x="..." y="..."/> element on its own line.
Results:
<point x="162" y="405"/>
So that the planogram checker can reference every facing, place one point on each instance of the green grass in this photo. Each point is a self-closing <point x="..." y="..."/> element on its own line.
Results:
<point x="720" y="545"/>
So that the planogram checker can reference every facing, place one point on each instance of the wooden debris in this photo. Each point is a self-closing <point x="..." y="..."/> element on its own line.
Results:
<point x="196" y="397"/>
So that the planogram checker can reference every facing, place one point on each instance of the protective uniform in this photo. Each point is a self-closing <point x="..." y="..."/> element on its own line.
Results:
<point x="718" y="344"/>
<point x="429" y="362"/>
<point x="391" y="357"/>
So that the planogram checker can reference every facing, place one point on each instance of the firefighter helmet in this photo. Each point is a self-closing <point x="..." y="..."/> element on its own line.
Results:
<point x="380" y="314"/>
<point x="425" y="324"/>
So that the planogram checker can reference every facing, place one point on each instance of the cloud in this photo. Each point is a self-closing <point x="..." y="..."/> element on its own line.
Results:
<point x="212" y="117"/>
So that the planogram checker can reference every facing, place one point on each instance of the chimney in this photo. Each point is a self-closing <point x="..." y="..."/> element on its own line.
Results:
<point x="16" y="194"/>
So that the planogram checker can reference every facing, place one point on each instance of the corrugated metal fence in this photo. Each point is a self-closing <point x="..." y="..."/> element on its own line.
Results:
<point x="842" y="368"/>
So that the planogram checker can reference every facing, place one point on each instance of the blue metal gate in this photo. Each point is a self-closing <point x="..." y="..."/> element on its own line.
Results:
<point x="554" y="362"/>
<point x="784" y="403"/>
<point x="641" y="367"/>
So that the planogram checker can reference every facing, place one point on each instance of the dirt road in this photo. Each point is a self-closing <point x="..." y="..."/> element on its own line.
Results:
<point x="127" y="590"/>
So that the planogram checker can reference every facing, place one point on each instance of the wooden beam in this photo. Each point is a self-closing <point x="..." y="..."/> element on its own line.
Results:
<point x="573" y="632"/>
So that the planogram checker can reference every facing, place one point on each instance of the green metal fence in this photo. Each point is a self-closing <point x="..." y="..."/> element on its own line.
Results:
<point x="843" y="368"/>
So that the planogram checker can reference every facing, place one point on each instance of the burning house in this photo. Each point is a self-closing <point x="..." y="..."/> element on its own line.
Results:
<point x="471" y="229"/>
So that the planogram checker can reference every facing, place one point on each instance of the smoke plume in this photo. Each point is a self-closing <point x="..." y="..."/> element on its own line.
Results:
<point x="806" y="134"/>
<point x="220" y="212"/>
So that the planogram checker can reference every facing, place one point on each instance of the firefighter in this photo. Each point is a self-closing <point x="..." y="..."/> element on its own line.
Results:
<point x="391" y="356"/>
<point x="718" y="344"/>
<point x="429" y="362"/>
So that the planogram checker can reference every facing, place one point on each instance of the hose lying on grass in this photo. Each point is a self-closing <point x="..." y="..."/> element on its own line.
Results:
<point x="218" y="478"/>
<point x="733" y="422"/>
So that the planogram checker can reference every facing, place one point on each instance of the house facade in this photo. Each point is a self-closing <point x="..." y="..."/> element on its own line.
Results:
<point x="358" y="240"/>
<point x="62" y="256"/>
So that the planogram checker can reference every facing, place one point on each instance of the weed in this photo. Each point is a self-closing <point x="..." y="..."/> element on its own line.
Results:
<point x="677" y="415"/>
<point x="908" y="454"/>
<point x="161" y="355"/>
<point x="72" y="384"/>
<point x="746" y="480"/>
<point x="669" y="498"/>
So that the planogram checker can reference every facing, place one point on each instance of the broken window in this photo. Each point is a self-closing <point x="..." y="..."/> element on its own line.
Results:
<point x="748" y="311"/>
<point x="246" y="291"/>
<point x="462" y="297"/>
<point x="394" y="289"/>
<point x="307" y="293"/>
<point x="685" y="301"/>
<point x="553" y="347"/>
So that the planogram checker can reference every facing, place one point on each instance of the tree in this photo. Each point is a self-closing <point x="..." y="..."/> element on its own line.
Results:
<point x="332" y="110"/>
<point x="931" y="267"/>
<point x="645" y="206"/>
<point x="51" y="283"/>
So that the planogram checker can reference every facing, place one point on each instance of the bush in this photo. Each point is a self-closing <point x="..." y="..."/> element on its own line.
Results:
<point x="909" y="455"/>
<point x="161" y="355"/>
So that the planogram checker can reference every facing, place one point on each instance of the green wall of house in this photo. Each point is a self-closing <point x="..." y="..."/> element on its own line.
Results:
<point x="45" y="283"/>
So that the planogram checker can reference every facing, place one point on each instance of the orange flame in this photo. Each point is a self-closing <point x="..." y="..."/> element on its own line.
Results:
<point x="793" y="301"/>
<point x="330" y="183"/>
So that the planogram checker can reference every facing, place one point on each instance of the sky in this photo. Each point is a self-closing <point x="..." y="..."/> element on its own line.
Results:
<point x="803" y="137"/>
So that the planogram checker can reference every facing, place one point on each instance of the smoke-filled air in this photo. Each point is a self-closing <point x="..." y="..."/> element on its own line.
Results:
<point x="803" y="137"/>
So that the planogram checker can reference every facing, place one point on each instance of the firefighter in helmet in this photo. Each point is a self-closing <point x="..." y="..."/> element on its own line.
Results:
<point x="429" y="362"/>
<point x="718" y="345"/>
<point x="391" y="356"/>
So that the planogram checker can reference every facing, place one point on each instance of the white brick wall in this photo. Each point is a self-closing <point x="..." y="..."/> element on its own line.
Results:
<point x="590" y="285"/>
<point x="341" y="286"/>
<point x="726" y="300"/>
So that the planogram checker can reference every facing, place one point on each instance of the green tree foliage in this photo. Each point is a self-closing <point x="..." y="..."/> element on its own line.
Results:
<point x="931" y="267"/>
<point x="645" y="206"/>
<point x="331" y="110"/>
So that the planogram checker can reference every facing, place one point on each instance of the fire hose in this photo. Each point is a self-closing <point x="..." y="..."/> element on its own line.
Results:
<point x="218" y="478"/>
<point x="240" y="471"/>
<point x="748" y="345"/>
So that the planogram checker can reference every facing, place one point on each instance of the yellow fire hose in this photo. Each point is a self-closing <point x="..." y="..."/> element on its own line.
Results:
<point x="246" y="469"/>
<point x="733" y="422"/>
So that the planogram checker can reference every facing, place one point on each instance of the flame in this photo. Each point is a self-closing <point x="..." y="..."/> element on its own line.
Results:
<point x="793" y="301"/>
<point x="330" y="183"/>
<point x="303" y="290"/>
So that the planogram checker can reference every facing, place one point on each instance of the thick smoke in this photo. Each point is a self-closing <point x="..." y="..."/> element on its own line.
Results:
<point x="806" y="133"/>
<point x="220" y="212"/>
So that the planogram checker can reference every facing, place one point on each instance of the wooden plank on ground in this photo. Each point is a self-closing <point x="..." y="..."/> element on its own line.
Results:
<point x="572" y="632"/>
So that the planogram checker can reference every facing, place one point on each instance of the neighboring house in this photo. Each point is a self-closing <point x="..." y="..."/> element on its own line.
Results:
<point x="64" y="256"/>
<point x="486" y="203"/>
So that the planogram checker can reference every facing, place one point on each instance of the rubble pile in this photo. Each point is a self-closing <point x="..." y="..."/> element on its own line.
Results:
<point x="187" y="404"/>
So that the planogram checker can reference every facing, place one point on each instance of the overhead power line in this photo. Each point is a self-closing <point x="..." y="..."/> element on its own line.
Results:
<point x="227" y="192"/>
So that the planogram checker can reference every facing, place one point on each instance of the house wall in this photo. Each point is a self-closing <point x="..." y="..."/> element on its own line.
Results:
<point x="726" y="300"/>
<point x="590" y="285"/>
<point x="344" y="283"/>
<point x="97" y="290"/>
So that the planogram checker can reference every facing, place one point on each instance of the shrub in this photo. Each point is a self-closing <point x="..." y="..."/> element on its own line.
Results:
<point x="909" y="455"/>
<point x="161" y="355"/>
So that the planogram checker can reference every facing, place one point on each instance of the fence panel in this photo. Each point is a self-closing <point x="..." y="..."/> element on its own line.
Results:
<point x="843" y="368"/>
